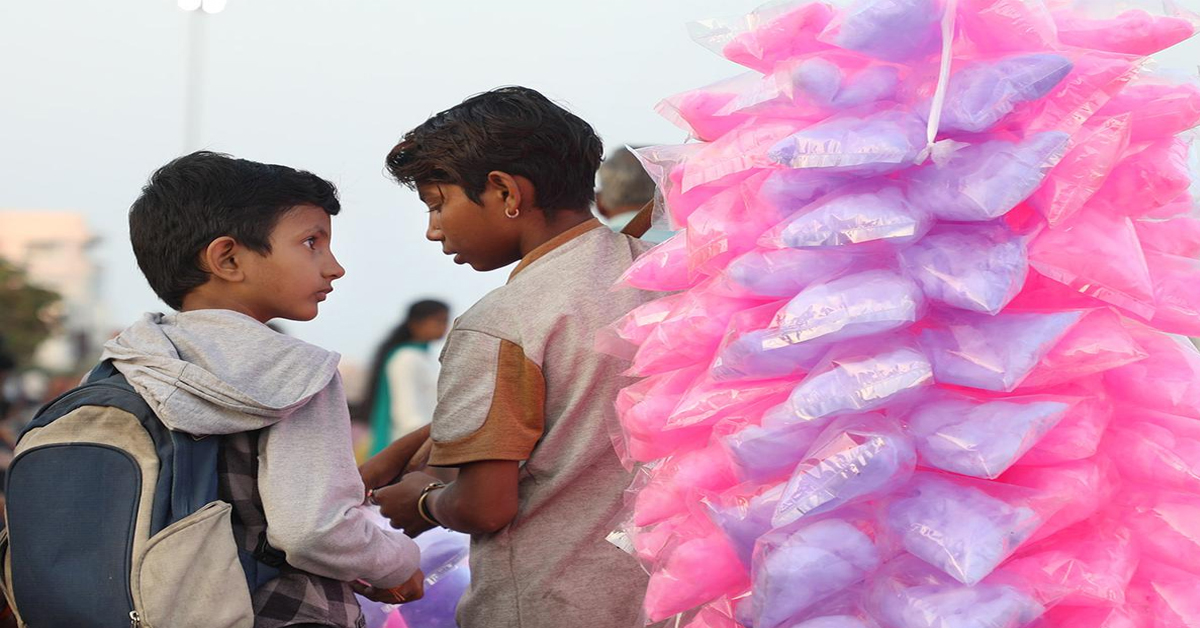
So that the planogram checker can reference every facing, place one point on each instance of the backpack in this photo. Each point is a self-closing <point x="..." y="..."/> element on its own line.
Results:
<point x="114" y="520"/>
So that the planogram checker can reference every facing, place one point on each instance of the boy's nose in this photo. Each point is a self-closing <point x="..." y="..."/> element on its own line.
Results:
<point x="433" y="231"/>
<point x="335" y="270"/>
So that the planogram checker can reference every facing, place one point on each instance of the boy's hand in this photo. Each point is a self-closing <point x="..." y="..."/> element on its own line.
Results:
<point x="398" y="502"/>
<point x="411" y="591"/>
<point x="387" y="465"/>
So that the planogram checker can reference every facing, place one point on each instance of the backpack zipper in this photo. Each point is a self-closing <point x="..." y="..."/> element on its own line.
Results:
<point x="135" y="620"/>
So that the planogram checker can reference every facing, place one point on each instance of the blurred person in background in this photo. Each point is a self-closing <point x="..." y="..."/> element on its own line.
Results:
<point x="403" y="384"/>
<point x="625" y="189"/>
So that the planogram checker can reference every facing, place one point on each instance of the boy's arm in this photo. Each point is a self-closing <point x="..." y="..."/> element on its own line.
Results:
<point x="482" y="500"/>
<point x="313" y="499"/>
<point x="384" y="467"/>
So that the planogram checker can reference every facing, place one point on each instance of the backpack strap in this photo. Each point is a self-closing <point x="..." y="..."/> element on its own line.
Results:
<point x="103" y="370"/>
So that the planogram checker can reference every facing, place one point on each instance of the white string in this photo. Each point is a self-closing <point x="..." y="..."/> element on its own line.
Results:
<point x="939" y="94"/>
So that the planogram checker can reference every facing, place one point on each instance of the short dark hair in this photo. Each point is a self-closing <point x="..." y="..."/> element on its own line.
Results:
<point x="512" y="129"/>
<point x="203" y="196"/>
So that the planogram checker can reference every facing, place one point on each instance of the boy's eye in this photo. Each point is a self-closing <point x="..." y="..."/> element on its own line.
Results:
<point x="311" y="242"/>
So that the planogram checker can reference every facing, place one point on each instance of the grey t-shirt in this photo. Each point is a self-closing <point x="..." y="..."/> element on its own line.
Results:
<point x="520" y="381"/>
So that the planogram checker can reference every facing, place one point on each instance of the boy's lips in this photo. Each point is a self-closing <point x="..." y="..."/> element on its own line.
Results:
<point x="322" y="294"/>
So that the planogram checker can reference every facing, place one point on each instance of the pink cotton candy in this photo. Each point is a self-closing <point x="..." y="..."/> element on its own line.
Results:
<point x="769" y="35"/>
<point x="689" y="334"/>
<point x="1173" y="236"/>
<point x="696" y="569"/>
<point x="1134" y="32"/>
<point x="1092" y="155"/>
<point x="742" y="150"/>
<point x="1092" y="567"/>
<point x="662" y="268"/>
<point x="1157" y="109"/>
<point x="1157" y="449"/>
<point x="1167" y="524"/>
<point x="1168" y="379"/>
<point x="1078" y="433"/>
<point x="1147" y="179"/>
<point x="1007" y="25"/>
<point x="1098" y="255"/>
<point x="730" y="224"/>
<point x="1077" y="489"/>
<point x="1094" y="79"/>
<point x="1176" y="299"/>
<point x="644" y="409"/>
<point x="674" y="483"/>
<point x="1097" y="343"/>
<point x="709" y="401"/>
<point x="622" y="337"/>
<point x="698" y="111"/>
<point x="1170" y="597"/>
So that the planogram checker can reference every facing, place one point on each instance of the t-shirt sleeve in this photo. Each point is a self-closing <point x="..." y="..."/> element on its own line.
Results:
<point x="491" y="401"/>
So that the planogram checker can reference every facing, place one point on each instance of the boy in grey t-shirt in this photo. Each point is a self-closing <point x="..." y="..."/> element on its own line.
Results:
<point x="524" y="404"/>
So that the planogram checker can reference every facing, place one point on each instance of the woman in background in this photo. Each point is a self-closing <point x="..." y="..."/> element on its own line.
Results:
<point x="403" y="388"/>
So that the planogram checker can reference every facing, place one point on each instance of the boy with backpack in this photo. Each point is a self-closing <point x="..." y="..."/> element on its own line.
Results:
<point x="247" y="508"/>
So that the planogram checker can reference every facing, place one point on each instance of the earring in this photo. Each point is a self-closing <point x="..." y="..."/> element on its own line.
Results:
<point x="512" y="212"/>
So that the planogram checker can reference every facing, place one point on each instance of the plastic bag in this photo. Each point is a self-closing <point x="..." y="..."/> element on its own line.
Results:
<point x="1007" y="25"/>
<point x="1174" y="236"/>
<point x="983" y="93"/>
<point x="993" y="352"/>
<point x="966" y="529"/>
<point x="698" y="565"/>
<point x="983" y="437"/>
<point x="1098" y="255"/>
<point x="1176" y="301"/>
<point x="663" y="268"/>
<point x="689" y="334"/>
<point x="980" y="268"/>
<point x="762" y="453"/>
<point x="910" y="594"/>
<point x="1090" y="159"/>
<point x="447" y="575"/>
<point x="1098" y="342"/>
<point x="855" y="458"/>
<point x="856" y="378"/>
<point x="673" y="483"/>
<point x="987" y="180"/>
<point x="643" y="410"/>
<point x="770" y="34"/>
<point x="1156" y="449"/>
<point x="783" y="273"/>
<point x="1081" y="487"/>
<point x="895" y="30"/>
<point x="1158" y="107"/>
<point x="1147" y="179"/>
<point x="794" y="570"/>
<point x="1134" y="32"/>
<point x="622" y="337"/>
<point x="875" y="144"/>
<point x="857" y="215"/>
<point x="747" y="353"/>
<point x="1168" y="379"/>
<point x="1077" y="435"/>
<point x="744" y="514"/>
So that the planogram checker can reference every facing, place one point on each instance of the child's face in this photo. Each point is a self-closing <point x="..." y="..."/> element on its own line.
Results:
<point x="478" y="234"/>
<point x="299" y="271"/>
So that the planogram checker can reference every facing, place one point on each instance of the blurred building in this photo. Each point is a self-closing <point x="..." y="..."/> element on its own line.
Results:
<point x="56" y="251"/>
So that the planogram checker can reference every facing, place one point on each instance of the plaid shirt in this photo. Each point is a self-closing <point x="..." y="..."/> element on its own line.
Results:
<point x="295" y="597"/>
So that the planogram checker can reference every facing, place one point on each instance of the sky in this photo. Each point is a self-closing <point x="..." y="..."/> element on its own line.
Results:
<point x="93" y="97"/>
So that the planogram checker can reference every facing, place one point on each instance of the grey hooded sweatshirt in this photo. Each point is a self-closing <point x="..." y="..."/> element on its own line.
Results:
<point x="216" y="372"/>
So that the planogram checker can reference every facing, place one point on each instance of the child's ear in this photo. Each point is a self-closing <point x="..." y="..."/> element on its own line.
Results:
<point x="507" y="187"/>
<point x="220" y="258"/>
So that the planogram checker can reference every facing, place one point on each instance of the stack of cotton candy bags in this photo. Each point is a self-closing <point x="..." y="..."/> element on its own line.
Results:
<point x="915" y="362"/>
<point x="444" y="557"/>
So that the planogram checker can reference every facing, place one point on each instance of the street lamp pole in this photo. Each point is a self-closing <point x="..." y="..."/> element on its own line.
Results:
<point x="193" y="103"/>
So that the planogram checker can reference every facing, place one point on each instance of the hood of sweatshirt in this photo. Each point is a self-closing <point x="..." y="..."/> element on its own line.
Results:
<point x="209" y="372"/>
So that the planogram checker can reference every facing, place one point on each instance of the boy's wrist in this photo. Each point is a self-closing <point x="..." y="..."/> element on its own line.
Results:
<point x="425" y="503"/>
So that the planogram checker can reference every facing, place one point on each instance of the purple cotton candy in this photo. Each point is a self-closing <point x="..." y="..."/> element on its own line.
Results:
<point x="796" y="570"/>
<point x="872" y="85"/>
<point x="444" y="561"/>
<point x="854" y="458"/>
<point x="993" y="352"/>
<point x="983" y="93"/>
<point x="971" y="267"/>
<point x="853" y="306"/>
<point x="958" y="528"/>
<point x="745" y="519"/>
<point x="833" y="621"/>
<point x="982" y="437"/>
<point x="858" y="378"/>
<point x="857" y="215"/>
<point x="767" y="453"/>
<point x="876" y="144"/>
<point x="985" y="181"/>
<point x="894" y="30"/>
<point x="917" y="597"/>
<point x="757" y="355"/>
<point x="784" y="272"/>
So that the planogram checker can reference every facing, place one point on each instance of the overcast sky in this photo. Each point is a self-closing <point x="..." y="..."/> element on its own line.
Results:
<point x="92" y="99"/>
